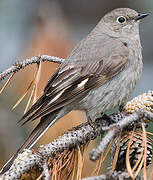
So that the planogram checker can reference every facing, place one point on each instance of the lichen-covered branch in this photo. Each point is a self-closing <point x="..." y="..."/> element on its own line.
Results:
<point x="115" y="175"/>
<point x="17" y="66"/>
<point x="116" y="128"/>
<point x="78" y="136"/>
<point x="22" y="164"/>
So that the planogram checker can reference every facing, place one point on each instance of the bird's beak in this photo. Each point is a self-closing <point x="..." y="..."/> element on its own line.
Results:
<point x="140" y="16"/>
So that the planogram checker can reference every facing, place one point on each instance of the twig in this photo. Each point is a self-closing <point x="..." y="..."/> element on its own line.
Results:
<point x="22" y="64"/>
<point x="114" y="129"/>
<point x="112" y="175"/>
<point x="23" y="163"/>
<point x="45" y="173"/>
<point x="101" y="177"/>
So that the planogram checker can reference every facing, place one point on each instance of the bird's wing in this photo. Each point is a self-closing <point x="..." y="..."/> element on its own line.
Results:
<point x="71" y="82"/>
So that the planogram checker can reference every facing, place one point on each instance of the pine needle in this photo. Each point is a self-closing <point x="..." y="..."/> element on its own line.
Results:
<point x="74" y="165"/>
<point x="151" y="174"/>
<point x="39" y="178"/>
<point x="69" y="155"/>
<point x="150" y="133"/>
<point x="80" y="164"/>
<point x="22" y="97"/>
<point x="29" y="101"/>
<point x="95" y="171"/>
<point x="102" y="159"/>
<point x="116" y="153"/>
<point x="138" y="170"/>
<point x="33" y="92"/>
<point x="144" y="142"/>
<point x="106" y="152"/>
<point x="33" y="95"/>
<point x="128" y="165"/>
<point x="7" y="82"/>
<point x="64" y="165"/>
<point x="70" y="167"/>
<point x="54" y="172"/>
<point x="138" y="161"/>
<point x="37" y="80"/>
<point x="147" y="132"/>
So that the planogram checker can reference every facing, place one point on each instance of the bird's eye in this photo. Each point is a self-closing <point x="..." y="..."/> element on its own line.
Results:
<point x="121" y="19"/>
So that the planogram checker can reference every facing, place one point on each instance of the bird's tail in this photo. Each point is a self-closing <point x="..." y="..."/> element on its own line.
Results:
<point x="45" y="122"/>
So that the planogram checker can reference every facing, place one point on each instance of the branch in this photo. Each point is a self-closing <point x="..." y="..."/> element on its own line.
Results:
<point x="115" y="129"/>
<point x="76" y="137"/>
<point x="17" y="66"/>
<point x="112" y="175"/>
<point x="80" y="135"/>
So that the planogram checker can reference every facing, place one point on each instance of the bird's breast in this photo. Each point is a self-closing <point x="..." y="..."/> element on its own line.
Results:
<point x="117" y="90"/>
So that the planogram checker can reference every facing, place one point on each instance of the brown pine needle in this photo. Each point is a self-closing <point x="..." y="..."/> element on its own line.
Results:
<point x="59" y="162"/>
<point x="69" y="154"/>
<point x="74" y="164"/>
<point x="65" y="165"/>
<point x="149" y="138"/>
<point x="106" y="153"/>
<point x="29" y="101"/>
<point x="138" y="170"/>
<point x="151" y="174"/>
<point x="150" y="133"/>
<point x="39" y="178"/>
<point x="142" y="156"/>
<point x="98" y="167"/>
<point x="33" y="95"/>
<point x="147" y="132"/>
<point x="116" y="153"/>
<point x="36" y="81"/>
<point x="102" y="159"/>
<point x="54" y="171"/>
<point x="71" y="167"/>
<point x="138" y="161"/>
<point x="144" y="141"/>
<point x="7" y="82"/>
<point x="22" y="97"/>
<point x="80" y="164"/>
<point x="128" y="165"/>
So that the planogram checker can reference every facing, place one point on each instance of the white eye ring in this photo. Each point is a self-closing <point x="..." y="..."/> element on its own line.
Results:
<point x="121" y="19"/>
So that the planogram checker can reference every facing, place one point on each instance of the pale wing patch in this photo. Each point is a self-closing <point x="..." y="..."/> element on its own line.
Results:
<point x="82" y="83"/>
<point x="60" y="93"/>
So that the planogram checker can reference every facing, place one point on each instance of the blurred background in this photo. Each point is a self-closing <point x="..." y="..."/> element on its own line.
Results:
<point x="32" y="27"/>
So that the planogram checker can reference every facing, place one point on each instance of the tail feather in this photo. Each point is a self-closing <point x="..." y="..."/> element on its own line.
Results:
<point x="45" y="122"/>
<point x="33" y="107"/>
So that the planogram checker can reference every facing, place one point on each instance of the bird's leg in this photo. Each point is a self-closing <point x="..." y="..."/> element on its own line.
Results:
<point x="121" y="107"/>
<point x="108" y="119"/>
<point x="90" y="121"/>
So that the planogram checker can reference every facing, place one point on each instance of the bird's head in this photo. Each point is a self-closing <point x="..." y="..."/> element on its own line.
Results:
<point x="122" y="22"/>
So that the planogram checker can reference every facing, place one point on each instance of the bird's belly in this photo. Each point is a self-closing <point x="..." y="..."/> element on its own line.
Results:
<point x="113" y="93"/>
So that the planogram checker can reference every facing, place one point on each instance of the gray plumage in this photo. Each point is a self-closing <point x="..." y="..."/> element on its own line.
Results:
<point x="99" y="74"/>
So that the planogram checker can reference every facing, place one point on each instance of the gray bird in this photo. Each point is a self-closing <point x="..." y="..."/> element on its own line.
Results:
<point x="99" y="74"/>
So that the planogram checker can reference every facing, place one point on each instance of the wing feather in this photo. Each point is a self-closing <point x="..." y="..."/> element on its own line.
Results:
<point x="72" y="81"/>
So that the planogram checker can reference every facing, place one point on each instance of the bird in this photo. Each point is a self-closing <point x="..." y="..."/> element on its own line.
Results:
<point x="99" y="74"/>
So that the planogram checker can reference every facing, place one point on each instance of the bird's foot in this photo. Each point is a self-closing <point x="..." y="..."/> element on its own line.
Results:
<point x="90" y="121"/>
<point x="92" y="124"/>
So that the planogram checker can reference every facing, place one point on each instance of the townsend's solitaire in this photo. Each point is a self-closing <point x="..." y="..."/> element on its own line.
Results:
<point x="99" y="74"/>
